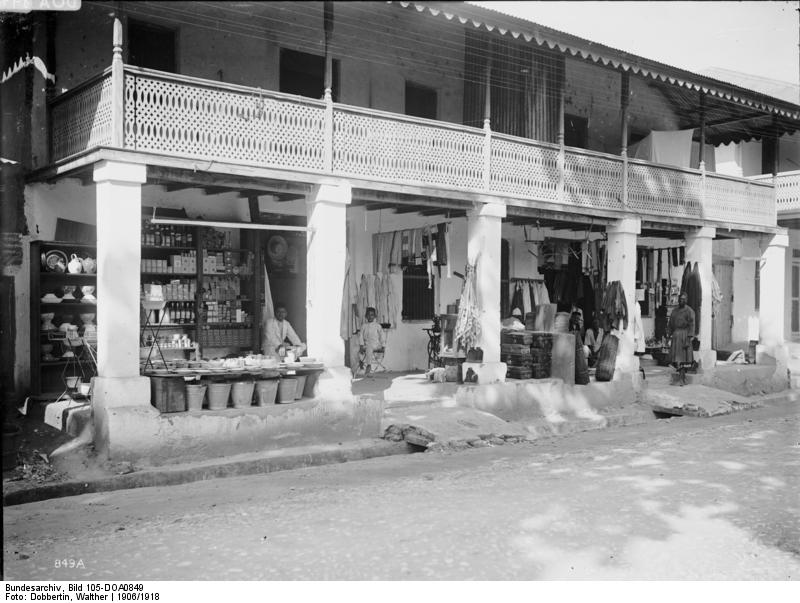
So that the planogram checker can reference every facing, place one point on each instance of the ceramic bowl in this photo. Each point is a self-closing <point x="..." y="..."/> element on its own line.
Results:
<point x="87" y="319"/>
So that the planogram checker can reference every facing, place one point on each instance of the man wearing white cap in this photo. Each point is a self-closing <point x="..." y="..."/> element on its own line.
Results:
<point x="514" y="321"/>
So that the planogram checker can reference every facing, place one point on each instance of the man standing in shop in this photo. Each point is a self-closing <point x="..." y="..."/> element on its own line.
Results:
<point x="277" y="331"/>
<point x="681" y="329"/>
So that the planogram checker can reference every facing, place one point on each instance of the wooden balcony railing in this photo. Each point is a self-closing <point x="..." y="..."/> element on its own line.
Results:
<point x="787" y="190"/>
<point x="190" y="117"/>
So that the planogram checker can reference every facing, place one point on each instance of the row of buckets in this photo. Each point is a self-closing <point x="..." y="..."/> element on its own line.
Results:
<point x="241" y="394"/>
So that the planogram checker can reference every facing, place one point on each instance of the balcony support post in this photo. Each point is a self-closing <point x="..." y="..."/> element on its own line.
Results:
<point x="484" y="250"/>
<point x="326" y="210"/>
<point x="487" y="126"/>
<point x="699" y="245"/>
<point x="625" y="96"/>
<point x="117" y="89"/>
<point x="772" y="288"/>
<point x="123" y="416"/>
<point x="327" y="152"/>
<point x="621" y="265"/>
<point x="560" y="141"/>
<point x="702" y="151"/>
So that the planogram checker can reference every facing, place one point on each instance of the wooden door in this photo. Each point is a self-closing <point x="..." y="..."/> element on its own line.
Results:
<point x="723" y="313"/>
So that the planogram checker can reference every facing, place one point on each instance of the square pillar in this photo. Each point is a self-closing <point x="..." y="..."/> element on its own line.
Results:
<point x="326" y="248"/>
<point x="699" y="248"/>
<point x="621" y="266"/>
<point x="119" y="220"/>
<point x="484" y="247"/>
<point x="772" y="290"/>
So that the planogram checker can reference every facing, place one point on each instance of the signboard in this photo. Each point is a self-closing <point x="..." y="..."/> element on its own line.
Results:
<point x="26" y="6"/>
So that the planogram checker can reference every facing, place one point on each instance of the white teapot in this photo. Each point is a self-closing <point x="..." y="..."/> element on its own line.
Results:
<point x="89" y="265"/>
<point x="75" y="265"/>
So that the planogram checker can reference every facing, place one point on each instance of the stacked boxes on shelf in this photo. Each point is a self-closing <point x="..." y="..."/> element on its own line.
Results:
<point x="178" y="263"/>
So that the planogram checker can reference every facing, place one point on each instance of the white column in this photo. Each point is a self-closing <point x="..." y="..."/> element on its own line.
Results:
<point x="699" y="248"/>
<point x="621" y="262"/>
<point x="326" y="247"/>
<point x="119" y="219"/>
<point x="772" y="291"/>
<point x="483" y="248"/>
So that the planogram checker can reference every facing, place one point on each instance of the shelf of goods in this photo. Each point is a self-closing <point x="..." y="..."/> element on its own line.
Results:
<point x="527" y="353"/>
<point x="63" y="330"/>
<point x="206" y="278"/>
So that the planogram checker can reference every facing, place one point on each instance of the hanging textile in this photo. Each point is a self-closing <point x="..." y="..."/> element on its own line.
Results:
<point x="696" y="299"/>
<point x="441" y="244"/>
<point x="638" y="329"/>
<point x="349" y="319"/>
<point x="615" y="307"/>
<point x="516" y="299"/>
<point x="395" y="295"/>
<point x="269" y="310"/>
<point x="687" y="272"/>
<point x="468" y="325"/>
<point x="716" y="294"/>
<point x="527" y="304"/>
<point x="363" y="304"/>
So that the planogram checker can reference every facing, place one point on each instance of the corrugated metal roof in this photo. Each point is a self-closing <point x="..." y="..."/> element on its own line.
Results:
<point x="518" y="28"/>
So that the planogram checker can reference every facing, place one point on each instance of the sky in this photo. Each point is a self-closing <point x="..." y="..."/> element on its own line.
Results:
<point x="759" y="38"/>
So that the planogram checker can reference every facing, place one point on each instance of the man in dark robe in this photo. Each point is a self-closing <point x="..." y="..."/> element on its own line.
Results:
<point x="681" y="329"/>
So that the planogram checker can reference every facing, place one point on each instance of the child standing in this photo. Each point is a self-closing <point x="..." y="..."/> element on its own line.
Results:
<point x="371" y="338"/>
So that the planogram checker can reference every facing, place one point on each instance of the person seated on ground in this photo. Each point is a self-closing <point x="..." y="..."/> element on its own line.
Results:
<point x="371" y="339"/>
<point x="594" y="339"/>
<point x="514" y="321"/>
<point x="576" y="327"/>
<point x="278" y="332"/>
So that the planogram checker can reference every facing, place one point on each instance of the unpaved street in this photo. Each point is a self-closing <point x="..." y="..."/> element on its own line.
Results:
<point x="699" y="499"/>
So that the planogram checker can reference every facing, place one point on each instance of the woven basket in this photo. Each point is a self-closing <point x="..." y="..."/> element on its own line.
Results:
<point x="607" y="358"/>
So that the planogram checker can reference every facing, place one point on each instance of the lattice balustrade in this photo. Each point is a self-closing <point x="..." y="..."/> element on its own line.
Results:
<point x="524" y="169"/>
<point x="82" y="119"/>
<point x="739" y="201"/>
<point x="659" y="190"/>
<point x="787" y="191"/>
<point x="592" y="181"/>
<point x="398" y="150"/>
<point x="217" y="123"/>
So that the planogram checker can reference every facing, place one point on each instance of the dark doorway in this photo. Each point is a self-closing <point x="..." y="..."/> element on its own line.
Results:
<point x="421" y="101"/>
<point x="505" y="302"/>
<point x="576" y="131"/>
<point x="304" y="74"/>
<point x="151" y="46"/>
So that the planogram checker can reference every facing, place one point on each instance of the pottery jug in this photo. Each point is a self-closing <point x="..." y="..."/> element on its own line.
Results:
<point x="75" y="265"/>
<point x="89" y="265"/>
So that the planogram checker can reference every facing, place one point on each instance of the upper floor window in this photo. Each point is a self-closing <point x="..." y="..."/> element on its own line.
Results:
<point x="151" y="46"/>
<point x="304" y="74"/>
<point x="421" y="101"/>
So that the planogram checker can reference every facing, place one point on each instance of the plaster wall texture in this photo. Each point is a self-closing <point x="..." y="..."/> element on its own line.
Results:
<point x="594" y="93"/>
<point x="550" y="399"/>
<point x="140" y="433"/>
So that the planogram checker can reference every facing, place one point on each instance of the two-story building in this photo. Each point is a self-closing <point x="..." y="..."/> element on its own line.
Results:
<point x="358" y="132"/>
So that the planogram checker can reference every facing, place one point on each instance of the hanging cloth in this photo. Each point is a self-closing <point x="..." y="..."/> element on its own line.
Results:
<point x="516" y="298"/>
<point x="349" y="324"/>
<point x="697" y="294"/>
<point x="269" y="310"/>
<point x="526" y="300"/>
<point x="395" y="296"/>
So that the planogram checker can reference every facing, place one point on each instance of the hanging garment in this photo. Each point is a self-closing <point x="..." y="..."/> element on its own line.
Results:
<point x="674" y="254"/>
<point x="396" y="296"/>
<point x="586" y="303"/>
<point x="638" y="329"/>
<point x="441" y="244"/>
<point x="362" y="297"/>
<point x="526" y="299"/>
<point x="532" y="295"/>
<point x="615" y="307"/>
<point x="687" y="272"/>
<point x="516" y="299"/>
<point x="697" y="296"/>
<point x="348" y="323"/>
